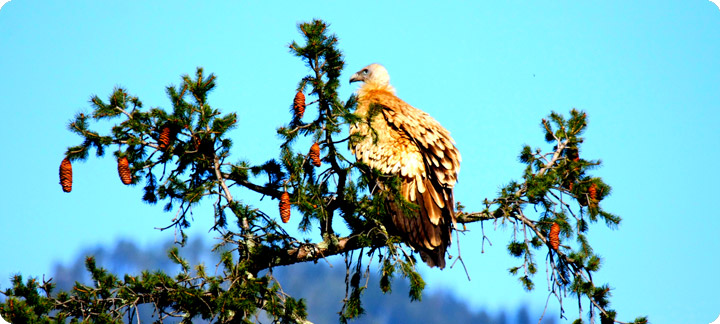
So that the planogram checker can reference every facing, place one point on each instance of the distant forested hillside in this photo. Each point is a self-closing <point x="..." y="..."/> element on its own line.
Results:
<point x="321" y="285"/>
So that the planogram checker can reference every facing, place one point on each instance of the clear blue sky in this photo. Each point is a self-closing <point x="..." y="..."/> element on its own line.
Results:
<point x="646" y="72"/>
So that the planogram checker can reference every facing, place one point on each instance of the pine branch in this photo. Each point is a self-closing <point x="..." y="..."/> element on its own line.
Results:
<point x="264" y="190"/>
<point x="309" y="252"/>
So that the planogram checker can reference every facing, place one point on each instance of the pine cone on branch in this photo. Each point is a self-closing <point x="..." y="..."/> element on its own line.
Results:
<point x="124" y="170"/>
<point x="592" y="192"/>
<point x="165" y="137"/>
<point x="66" y="175"/>
<point x="284" y="206"/>
<point x="299" y="105"/>
<point x="314" y="154"/>
<point x="555" y="236"/>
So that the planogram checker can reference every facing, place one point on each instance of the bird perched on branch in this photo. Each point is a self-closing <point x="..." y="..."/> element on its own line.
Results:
<point x="398" y="139"/>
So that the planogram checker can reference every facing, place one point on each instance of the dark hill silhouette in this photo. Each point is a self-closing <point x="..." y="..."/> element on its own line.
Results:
<point x="322" y="287"/>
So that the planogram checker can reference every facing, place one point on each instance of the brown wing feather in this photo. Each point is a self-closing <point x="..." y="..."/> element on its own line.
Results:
<point x="410" y="143"/>
<point x="434" y="141"/>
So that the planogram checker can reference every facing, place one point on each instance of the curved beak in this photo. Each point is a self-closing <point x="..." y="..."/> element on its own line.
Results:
<point x="356" y="77"/>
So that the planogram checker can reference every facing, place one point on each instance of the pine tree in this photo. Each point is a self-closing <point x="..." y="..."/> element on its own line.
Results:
<point x="182" y="156"/>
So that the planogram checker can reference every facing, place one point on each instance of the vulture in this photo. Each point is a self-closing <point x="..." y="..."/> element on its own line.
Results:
<point x="400" y="140"/>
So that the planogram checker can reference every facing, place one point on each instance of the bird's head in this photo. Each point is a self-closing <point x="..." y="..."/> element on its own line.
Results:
<point x="372" y="74"/>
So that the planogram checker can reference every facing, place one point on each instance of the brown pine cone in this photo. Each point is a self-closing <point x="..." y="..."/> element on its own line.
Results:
<point x="164" y="138"/>
<point x="124" y="170"/>
<point x="284" y="206"/>
<point x="66" y="175"/>
<point x="299" y="105"/>
<point x="592" y="191"/>
<point x="314" y="154"/>
<point x="555" y="236"/>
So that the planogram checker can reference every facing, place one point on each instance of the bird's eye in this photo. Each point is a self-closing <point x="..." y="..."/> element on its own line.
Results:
<point x="365" y="71"/>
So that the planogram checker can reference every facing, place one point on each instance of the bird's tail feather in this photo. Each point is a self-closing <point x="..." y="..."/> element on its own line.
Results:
<point x="418" y="231"/>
